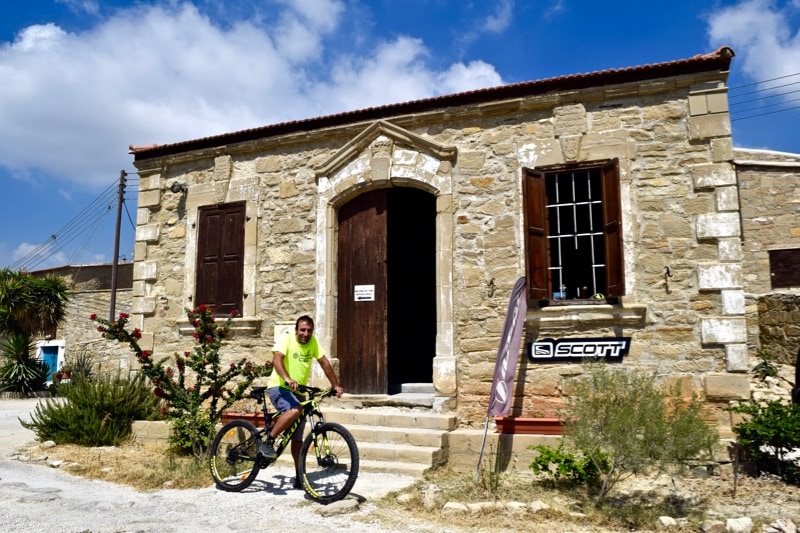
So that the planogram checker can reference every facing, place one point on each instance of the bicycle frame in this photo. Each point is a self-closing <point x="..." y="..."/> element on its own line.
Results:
<point x="309" y="409"/>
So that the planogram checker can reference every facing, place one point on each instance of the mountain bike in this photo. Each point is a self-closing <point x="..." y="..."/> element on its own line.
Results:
<point x="328" y="465"/>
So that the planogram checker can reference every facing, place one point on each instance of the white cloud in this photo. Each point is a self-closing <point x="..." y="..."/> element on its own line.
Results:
<point x="38" y="257"/>
<point x="73" y="102"/>
<point x="80" y="6"/>
<point x="761" y="35"/>
<point x="501" y="18"/>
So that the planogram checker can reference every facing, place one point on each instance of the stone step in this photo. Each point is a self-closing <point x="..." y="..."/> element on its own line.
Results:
<point x="417" y="388"/>
<point x="381" y="451"/>
<point x="396" y="418"/>
<point x="393" y="435"/>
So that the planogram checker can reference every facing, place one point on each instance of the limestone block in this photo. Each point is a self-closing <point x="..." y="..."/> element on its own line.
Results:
<point x="444" y="375"/>
<point x="709" y="175"/>
<point x="271" y="163"/>
<point x="142" y="216"/>
<point x="146" y="306"/>
<point x="723" y="330"/>
<point x="733" y="302"/>
<point x="727" y="198"/>
<point x="718" y="225"/>
<point x="541" y="153"/>
<point x="471" y="160"/>
<point x="148" y="233"/>
<point x="719" y="276"/>
<point x="708" y="126"/>
<point x="717" y="102"/>
<point x="697" y="105"/>
<point x="145" y="270"/>
<point x="721" y="149"/>
<point x="736" y="358"/>
<point x="147" y="342"/>
<point x="730" y="249"/>
<point x="149" y="198"/>
<point x="223" y="167"/>
<point x="727" y="387"/>
<point x="147" y="183"/>
<point x="140" y="250"/>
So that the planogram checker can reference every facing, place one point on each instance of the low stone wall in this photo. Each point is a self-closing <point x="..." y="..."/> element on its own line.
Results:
<point x="779" y="326"/>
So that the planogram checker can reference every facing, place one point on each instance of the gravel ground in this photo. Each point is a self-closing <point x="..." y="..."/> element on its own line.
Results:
<point x="34" y="497"/>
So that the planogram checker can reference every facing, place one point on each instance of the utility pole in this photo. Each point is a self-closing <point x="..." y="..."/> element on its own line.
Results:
<point x="115" y="260"/>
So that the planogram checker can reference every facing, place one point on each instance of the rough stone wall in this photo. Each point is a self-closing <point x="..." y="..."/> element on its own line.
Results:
<point x="680" y="210"/>
<point x="81" y="336"/>
<point x="769" y="187"/>
<point x="90" y="293"/>
<point x="779" y="326"/>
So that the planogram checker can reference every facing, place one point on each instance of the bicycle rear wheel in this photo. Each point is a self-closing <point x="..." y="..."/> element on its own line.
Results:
<point x="234" y="456"/>
<point x="328" y="463"/>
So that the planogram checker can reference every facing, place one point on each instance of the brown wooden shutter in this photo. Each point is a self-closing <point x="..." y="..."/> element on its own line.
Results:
<point x="220" y="257"/>
<point x="612" y="219"/>
<point x="535" y="220"/>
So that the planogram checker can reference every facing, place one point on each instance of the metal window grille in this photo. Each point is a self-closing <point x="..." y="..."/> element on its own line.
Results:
<point x="575" y="233"/>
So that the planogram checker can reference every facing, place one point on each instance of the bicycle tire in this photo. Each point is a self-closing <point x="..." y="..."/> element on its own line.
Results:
<point x="234" y="457"/>
<point x="328" y="476"/>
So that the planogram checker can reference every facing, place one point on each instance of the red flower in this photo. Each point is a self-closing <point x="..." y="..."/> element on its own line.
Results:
<point x="93" y="316"/>
<point x="123" y="316"/>
<point x="201" y="308"/>
<point x="145" y="354"/>
<point x="233" y="365"/>
<point x="234" y="312"/>
<point x="159" y="392"/>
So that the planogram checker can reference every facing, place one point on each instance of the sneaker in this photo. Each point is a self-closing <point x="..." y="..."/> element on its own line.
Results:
<point x="267" y="450"/>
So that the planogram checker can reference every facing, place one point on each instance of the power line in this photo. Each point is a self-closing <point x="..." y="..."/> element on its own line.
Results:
<point x="87" y="223"/>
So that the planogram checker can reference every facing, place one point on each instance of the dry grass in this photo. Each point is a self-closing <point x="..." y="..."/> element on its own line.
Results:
<point x="141" y="466"/>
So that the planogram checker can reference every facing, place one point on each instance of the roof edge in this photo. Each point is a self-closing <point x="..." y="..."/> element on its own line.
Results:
<point x="717" y="60"/>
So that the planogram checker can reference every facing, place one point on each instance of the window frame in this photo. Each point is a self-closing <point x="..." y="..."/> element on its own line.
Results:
<point x="535" y="221"/>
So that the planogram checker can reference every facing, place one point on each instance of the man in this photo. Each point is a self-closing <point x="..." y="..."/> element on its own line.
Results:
<point x="291" y="360"/>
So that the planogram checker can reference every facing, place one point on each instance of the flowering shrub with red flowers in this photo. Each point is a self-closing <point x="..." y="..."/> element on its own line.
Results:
<point x="196" y="387"/>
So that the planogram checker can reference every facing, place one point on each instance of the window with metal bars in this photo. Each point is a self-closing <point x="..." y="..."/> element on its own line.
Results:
<point x="574" y="242"/>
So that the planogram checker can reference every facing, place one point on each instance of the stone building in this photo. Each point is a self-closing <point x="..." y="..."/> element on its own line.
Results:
<point x="402" y="228"/>
<point x="90" y="292"/>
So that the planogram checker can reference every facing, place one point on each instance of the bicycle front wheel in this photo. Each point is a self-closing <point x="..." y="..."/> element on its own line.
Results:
<point x="234" y="456"/>
<point x="328" y="463"/>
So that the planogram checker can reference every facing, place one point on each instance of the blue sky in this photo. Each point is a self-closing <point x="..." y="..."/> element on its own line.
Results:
<point x="84" y="79"/>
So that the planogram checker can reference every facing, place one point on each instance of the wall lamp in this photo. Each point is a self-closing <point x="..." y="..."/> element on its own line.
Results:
<point x="178" y="187"/>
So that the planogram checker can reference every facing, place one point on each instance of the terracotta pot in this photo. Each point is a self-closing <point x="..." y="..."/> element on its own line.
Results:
<point x="255" y="418"/>
<point x="522" y="425"/>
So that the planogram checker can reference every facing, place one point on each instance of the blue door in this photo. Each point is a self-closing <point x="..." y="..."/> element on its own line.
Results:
<point x="50" y="358"/>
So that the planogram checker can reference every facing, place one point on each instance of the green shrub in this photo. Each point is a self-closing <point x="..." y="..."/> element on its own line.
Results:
<point x="94" y="412"/>
<point x="562" y="466"/>
<point x="768" y="434"/>
<point x="199" y="387"/>
<point x="20" y="371"/>
<point x="625" y="418"/>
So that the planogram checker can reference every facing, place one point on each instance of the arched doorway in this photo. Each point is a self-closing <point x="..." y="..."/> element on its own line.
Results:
<point x="386" y="313"/>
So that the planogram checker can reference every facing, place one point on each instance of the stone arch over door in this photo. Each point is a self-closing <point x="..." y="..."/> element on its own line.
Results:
<point x="383" y="156"/>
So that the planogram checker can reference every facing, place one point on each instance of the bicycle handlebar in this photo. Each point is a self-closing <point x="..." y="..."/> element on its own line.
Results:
<point x="314" y="391"/>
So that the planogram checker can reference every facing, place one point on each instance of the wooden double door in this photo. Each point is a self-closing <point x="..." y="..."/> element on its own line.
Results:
<point x="386" y="311"/>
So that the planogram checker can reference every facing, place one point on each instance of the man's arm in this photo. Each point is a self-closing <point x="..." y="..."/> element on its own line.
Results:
<point x="330" y="374"/>
<point x="280" y="368"/>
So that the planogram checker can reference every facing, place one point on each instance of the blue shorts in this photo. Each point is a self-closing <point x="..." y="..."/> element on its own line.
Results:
<point x="285" y="400"/>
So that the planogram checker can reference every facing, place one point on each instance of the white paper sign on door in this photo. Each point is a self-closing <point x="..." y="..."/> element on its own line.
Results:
<point x="364" y="293"/>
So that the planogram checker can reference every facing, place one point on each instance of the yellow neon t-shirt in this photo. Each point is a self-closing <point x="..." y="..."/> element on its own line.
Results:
<point x="296" y="358"/>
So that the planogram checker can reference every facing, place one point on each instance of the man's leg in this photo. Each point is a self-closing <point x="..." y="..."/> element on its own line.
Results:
<point x="284" y="421"/>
